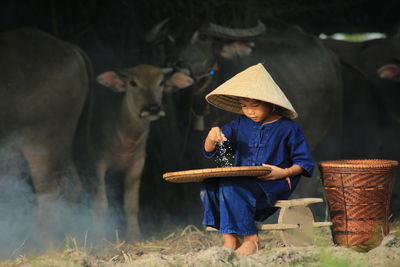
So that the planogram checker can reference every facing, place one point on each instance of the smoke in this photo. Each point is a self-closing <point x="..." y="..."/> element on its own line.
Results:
<point x="21" y="231"/>
<point x="17" y="209"/>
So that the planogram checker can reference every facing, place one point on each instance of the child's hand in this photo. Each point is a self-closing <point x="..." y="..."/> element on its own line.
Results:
<point x="214" y="136"/>
<point x="275" y="174"/>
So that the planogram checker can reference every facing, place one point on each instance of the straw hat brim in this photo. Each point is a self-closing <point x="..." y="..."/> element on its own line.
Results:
<point x="231" y="103"/>
<point x="255" y="83"/>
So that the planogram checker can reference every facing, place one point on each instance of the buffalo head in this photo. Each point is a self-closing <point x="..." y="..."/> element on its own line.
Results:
<point x="143" y="86"/>
<point x="193" y="47"/>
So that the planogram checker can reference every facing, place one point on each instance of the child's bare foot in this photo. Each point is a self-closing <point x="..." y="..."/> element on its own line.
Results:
<point x="249" y="246"/>
<point x="231" y="241"/>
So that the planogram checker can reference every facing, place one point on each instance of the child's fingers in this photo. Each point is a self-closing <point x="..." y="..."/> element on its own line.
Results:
<point x="273" y="175"/>
<point x="267" y="165"/>
<point x="218" y="135"/>
<point x="223" y="137"/>
<point x="266" y="176"/>
<point x="219" y="138"/>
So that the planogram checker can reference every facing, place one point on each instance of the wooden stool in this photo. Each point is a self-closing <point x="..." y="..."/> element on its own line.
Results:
<point x="295" y="222"/>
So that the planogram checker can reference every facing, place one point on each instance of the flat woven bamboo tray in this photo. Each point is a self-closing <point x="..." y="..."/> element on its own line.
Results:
<point x="200" y="175"/>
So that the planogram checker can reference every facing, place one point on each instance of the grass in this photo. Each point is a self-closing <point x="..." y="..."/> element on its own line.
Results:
<point x="191" y="240"/>
<point x="327" y="259"/>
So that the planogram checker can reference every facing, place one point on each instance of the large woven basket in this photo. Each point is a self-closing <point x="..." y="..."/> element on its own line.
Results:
<point x="358" y="194"/>
<point x="200" y="175"/>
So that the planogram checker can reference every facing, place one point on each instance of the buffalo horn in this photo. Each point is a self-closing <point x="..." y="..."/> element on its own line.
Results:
<point x="153" y="34"/>
<point x="167" y="70"/>
<point x="222" y="31"/>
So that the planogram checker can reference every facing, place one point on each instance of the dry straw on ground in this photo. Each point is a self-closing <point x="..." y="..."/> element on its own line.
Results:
<point x="191" y="246"/>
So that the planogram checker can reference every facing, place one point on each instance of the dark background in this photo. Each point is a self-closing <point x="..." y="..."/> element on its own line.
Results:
<point x="111" y="33"/>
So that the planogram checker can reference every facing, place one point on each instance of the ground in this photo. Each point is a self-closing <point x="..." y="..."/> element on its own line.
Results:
<point x="194" y="247"/>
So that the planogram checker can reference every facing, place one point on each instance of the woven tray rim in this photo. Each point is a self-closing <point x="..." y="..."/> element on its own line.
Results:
<point x="198" y="175"/>
<point x="359" y="163"/>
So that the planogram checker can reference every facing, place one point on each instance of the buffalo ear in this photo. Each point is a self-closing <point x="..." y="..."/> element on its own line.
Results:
<point x="112" y="80"/>
<point x="236" y="49"/>
<point x="390" y="72"/>
<point x="177" y="81"/>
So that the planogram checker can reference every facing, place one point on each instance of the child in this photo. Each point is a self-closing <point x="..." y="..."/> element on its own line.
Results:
<point x="264" y="135"/>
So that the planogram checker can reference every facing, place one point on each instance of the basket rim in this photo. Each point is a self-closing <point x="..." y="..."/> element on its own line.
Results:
<point x="359" y="163"/>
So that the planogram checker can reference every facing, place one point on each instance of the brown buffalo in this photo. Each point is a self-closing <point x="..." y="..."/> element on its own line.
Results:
<point x="119" y="130"/>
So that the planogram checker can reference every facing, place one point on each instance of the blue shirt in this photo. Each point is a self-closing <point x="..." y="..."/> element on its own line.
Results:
<point x="280" y="143"/>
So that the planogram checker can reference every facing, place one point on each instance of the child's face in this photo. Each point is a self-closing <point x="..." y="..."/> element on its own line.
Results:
<point x="256" y="110"/>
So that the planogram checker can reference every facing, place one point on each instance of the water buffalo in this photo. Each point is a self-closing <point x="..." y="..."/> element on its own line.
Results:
<point x="372" y="90"/>
<point x="371" y="94"/>
<point x="308" y="72"/>
<point x="119" y="130"/>
<point x="45" y="83"/>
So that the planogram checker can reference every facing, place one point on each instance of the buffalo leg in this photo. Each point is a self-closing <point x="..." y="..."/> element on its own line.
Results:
<point x="99" y="203"/>
<point x="131" y="198"/>
<point x="53" y="177"/>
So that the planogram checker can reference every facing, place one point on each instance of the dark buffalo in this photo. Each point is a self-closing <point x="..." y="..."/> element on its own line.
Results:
<point x="371" y="92"/>
<point x="371" y="72"/>
<point x="307" y="71"/>
<point x="44" y="86"/>
<point x="119" y="131"/>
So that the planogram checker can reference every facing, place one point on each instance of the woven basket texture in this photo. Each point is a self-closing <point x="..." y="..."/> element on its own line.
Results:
<point x="358" y="194"/>
<point x="200" y="175"/>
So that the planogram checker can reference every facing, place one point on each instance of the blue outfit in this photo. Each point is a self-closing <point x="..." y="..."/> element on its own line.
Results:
<point x="232" y="205"/>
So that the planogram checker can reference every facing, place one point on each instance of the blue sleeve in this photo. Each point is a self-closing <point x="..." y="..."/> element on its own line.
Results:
<point x="229" y="130"/>
<point x="300" y="153"/>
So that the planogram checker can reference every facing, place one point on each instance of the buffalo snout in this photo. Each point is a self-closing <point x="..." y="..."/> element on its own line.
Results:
<point x="152" y="112"/>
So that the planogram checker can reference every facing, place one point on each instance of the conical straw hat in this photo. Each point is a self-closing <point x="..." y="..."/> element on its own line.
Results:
<point x="256" y="83"/>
